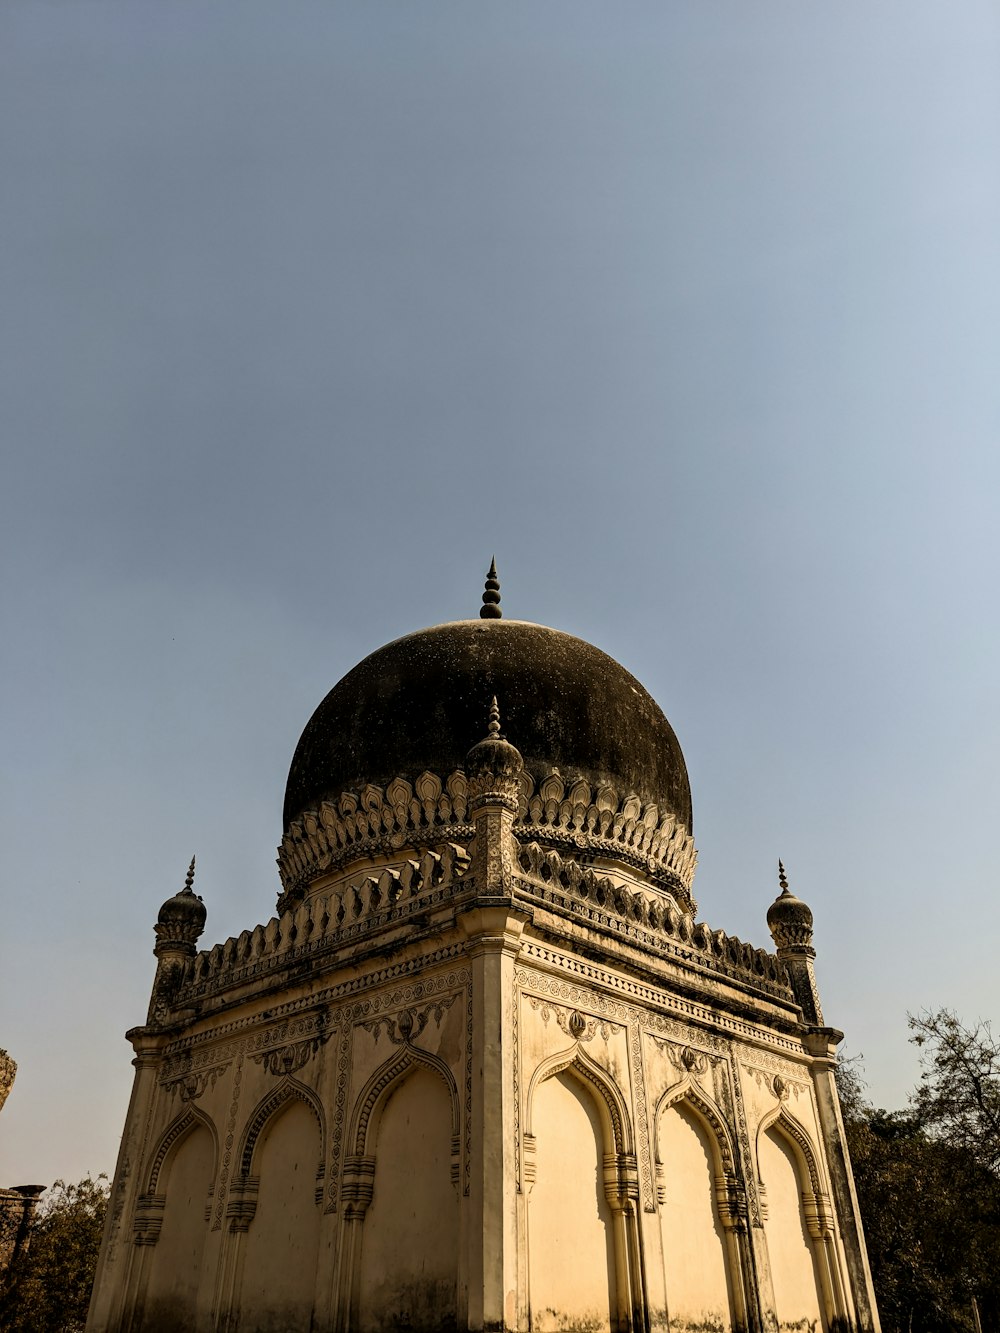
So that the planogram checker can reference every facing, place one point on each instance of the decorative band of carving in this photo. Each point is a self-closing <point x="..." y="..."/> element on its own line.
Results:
<point x="376" y="822"/>
<point x="290" y="1059"/>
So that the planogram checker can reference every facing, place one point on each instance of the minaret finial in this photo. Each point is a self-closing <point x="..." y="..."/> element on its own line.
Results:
<point x="490" y="609"/>
<point x="782" y="877"/>
<point x="494" y="727"/>
<point x="189" y="882"/>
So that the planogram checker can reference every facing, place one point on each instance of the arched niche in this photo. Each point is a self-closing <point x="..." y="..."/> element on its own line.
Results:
<point x="789" y="1176"/>
<point x="694" y="1165"/>
<point x="577" y="1135"/>
<point x="177" y="1204"/>
<point x="406" y="1131"/>
<point x="282" y="1160"/>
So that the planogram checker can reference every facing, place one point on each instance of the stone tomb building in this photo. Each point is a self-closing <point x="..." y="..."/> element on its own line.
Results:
<point x="485" y="1069"/>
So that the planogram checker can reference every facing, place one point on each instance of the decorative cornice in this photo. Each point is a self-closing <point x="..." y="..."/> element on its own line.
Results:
<point x="351" y="909"/>
<point x="647" y="918"/>
<point x="592" y="822"/>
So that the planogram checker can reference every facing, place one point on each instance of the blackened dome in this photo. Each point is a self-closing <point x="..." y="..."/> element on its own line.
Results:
<point x="420" y="702"/>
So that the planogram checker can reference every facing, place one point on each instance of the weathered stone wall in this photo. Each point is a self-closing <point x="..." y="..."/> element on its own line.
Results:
<point x="482" y="1087"/>
<point x="316" y="1163"/>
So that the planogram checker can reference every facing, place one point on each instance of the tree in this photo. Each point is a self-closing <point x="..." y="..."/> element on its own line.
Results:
<point x="958" y="1099"/>
<point x="929" y="1196"/>
<point x="47" y="1288"/>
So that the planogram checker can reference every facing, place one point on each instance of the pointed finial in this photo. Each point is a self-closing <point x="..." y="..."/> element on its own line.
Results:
<point x="490" y="609"/>
<point x="494" y="727"/>
<point x="782" y="878"/>
<point x="189" y="882"/>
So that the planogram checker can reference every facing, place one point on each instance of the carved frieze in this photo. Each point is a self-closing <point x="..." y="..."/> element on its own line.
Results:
<point x="290" y="1059"/>
<point x="193" y="1084"/>
<point x="685" y="1059"/>
<point x="576" y="1025"/>
<point x="407" y="1025"/>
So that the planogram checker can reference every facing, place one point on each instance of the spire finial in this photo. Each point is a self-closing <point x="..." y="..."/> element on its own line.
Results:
<point x="189" y="882"/>
<point x="494" y="727"/>
<point x="782" y="877"/>
<point x="490" y="609"/>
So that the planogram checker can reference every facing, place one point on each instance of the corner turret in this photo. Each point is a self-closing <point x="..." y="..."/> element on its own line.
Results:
<point x="179" y="926"/>
<point x="790" y="922"/>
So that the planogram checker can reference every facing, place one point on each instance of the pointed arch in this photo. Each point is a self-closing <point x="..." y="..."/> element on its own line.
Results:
<point x="805" y="1288"/>
<point x="797" y="1137"/>
<point x="710" y="1116"/>
<point x="401" y="1193"/>
<point x="188" y="1120"/>
<point x="288" y="1089"/>
<point x="700" y="1208"/>
<point x="383" y="1082"/>
<point x="611" y="1104"/>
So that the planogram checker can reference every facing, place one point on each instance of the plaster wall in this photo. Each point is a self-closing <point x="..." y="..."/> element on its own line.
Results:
<point x="793" y="1266"/>
<point x="279" y="1269"/>
<point x="696" y="1277"/>
<point x="176" y="1261"/>
<point x="408" y="1274"/>
<point x="571" y="1245"/>
<point x="602" y="1076"/>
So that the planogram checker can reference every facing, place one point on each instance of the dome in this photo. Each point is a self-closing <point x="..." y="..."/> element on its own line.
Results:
<point x="789" y="919"/>
<point x="185" y="908"/>
<point x="181" y="919"/>
<point x="419" y="703"/>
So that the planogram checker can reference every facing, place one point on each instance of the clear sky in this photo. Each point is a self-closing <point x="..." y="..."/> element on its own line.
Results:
<point x="689" y="311"/>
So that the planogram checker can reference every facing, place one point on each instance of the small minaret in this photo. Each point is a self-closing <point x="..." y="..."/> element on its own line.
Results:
<point x="493" y="767"/>
<point x="790" y="922"/>
<point x="179" y="926"/>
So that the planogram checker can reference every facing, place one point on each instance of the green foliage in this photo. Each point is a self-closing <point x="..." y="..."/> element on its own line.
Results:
<point x="47" y="1288"/>
<point x="927" y="1184"/>
<point x="958" y="1099"/>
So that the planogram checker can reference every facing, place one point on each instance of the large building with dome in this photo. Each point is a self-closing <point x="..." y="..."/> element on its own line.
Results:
<point x="486" y="1068"/>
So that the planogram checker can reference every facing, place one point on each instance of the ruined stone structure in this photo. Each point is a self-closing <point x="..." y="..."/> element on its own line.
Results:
<point x="485" y="1069"/>
<point x="17" y="1205"/>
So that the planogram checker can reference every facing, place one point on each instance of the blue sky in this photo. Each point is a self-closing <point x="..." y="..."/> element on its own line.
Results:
<point x="688" y="311"/>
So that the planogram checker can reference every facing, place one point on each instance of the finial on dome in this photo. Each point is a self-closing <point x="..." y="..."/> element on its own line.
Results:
<point x="494" y="753"/>
<point x="189" y="881"/>
<point x="490" y="609"/>
<point x="782" y="877"/>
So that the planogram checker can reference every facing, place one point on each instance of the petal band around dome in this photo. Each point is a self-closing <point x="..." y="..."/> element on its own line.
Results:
<point x="418" y="704"/>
